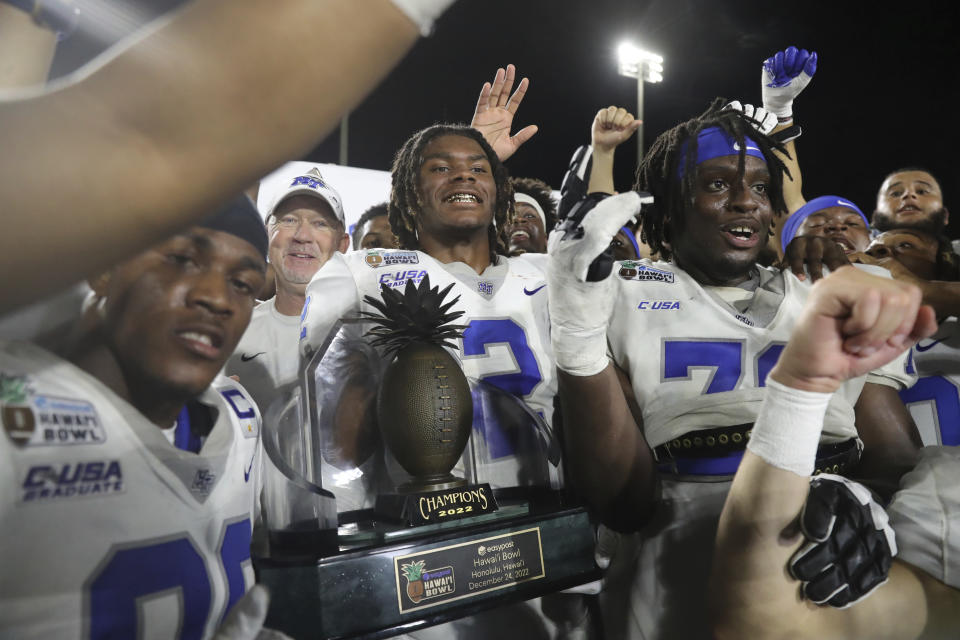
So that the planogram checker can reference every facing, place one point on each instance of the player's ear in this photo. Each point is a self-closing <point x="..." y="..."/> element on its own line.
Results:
<point x="946" y="216"/>
<point x="344" y="243"/>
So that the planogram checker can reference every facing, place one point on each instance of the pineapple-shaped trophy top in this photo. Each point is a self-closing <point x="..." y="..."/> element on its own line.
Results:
<point x="419" y="314"/>
<point x="424" y="406"/>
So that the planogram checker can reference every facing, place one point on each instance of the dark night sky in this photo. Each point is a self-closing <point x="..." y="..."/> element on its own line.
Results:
<point x="883" y="96"/>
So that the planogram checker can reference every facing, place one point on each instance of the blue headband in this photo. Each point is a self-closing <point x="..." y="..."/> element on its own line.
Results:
<point x="633" y="239"/>
<point x="817" y="204"/>
<point x="714" y="142"/>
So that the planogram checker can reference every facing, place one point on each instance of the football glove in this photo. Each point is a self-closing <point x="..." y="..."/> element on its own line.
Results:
<point x="850" y="543"/>
<point x="783" y="76"/>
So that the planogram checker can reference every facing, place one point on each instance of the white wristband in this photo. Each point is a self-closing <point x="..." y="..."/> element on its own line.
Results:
<point x="423" y="12"/>
<point x="787" y="430"/>
<point x="580" y="353"/>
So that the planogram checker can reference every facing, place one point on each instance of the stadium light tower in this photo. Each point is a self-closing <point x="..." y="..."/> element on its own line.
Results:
<point x="645" y="67"/>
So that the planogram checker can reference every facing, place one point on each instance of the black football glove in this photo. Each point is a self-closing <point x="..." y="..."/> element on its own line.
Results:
<point x="850" y="545"/>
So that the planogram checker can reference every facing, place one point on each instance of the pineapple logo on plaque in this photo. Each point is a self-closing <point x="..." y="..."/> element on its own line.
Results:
<point x="423" y="584"/>
<point x="374" y="259"/>
<point x="19" y="420"/>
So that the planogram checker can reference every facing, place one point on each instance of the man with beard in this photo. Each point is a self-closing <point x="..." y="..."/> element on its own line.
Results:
<point x="654" y="436"/>
<point x="306" y="227"/>
<point x="910" y="198"/>
<point x="534" y="215"/>
<point x="130" y="470"/>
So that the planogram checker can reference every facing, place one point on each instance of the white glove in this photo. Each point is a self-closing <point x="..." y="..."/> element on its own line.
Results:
<point x="783" y="77"/>
<point x="423" y="12"/>
<point x="580" y="310"/>
<point x="245" y="620"/>
<point x="764" y="121"/>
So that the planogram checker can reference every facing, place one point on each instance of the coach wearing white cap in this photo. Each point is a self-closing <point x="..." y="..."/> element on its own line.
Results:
<point x="306" y="227"/>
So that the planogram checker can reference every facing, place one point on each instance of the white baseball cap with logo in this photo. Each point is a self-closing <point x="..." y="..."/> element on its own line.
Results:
<point x="312" y="183"/>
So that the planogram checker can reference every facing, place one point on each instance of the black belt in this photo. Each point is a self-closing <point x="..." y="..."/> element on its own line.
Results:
<point x="717" y="452"/>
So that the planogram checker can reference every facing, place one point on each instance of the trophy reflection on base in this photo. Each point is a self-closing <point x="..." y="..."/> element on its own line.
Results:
<point x="386" y="487"/>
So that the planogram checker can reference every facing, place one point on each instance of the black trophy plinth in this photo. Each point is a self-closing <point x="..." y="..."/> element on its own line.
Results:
<point x="398" y="580"/>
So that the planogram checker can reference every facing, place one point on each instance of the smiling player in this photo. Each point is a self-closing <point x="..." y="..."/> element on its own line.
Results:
<point x="534" y="215"/>
<point x="128" y="481"/>
<point x="450" y="195"/>
<point x="691" y="338"/>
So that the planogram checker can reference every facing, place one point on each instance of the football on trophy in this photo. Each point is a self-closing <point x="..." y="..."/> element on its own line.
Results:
<point x="424" y="406"/>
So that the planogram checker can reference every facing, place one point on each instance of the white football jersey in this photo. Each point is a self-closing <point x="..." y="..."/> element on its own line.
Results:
<point x="694" y="364"/>
<point x="107" y="529"/>
<point x="266" y="358"/>
<point x="925" y="512"/>
<point x="506" y="342"/>
<point x="934" y="401"/>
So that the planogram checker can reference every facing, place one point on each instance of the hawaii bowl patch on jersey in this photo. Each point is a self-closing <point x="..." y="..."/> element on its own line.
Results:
<point x="55" y="481"/>
<point x="37" y="419"/>
<point x="378" y="258"/>
<point x="631" y="270"/>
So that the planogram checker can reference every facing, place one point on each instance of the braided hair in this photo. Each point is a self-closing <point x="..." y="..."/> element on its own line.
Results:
<point x="657" y="173"/>
<point x="405" y="200"/>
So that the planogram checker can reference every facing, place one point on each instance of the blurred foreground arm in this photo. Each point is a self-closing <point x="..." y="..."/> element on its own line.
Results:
<point x="207" y="101"/>
<point x="853" y="322"/>
<point x="26" y="49"/>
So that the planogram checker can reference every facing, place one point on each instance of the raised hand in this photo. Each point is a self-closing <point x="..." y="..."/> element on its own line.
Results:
<point x="493" y="116"/>
<point x="763" y="120"/>
<point x="612" y="127"/>
<point x="783" y="76"/>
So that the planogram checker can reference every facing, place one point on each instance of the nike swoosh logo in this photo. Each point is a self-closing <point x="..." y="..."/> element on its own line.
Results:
<point x="928" y="347"/>
<point x="530" y="293"/>
<point x="247" y="358"/>
<point x="246" y="472"/>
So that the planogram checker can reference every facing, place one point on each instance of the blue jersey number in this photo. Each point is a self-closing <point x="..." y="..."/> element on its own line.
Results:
<point x="134" y="572"/>
<point x="946" y="403"/>
<point x="478" y="337"/>
<point x="724" y="357"/>
<point x="482" y="334"/>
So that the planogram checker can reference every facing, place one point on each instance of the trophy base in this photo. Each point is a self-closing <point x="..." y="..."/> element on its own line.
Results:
<point x="437" y="504"/>
<point x="463" y="567"/>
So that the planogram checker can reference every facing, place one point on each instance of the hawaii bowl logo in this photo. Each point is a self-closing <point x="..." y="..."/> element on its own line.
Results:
<point x="423" y="584"/>
<point x="19" y="420"/>
<point x="373" y="259"/>
<point x="413" y="572"/>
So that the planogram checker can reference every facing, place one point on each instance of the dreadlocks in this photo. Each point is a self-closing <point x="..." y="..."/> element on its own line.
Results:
<point x="658" y="172"/>
<point x="405" y="202"/>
